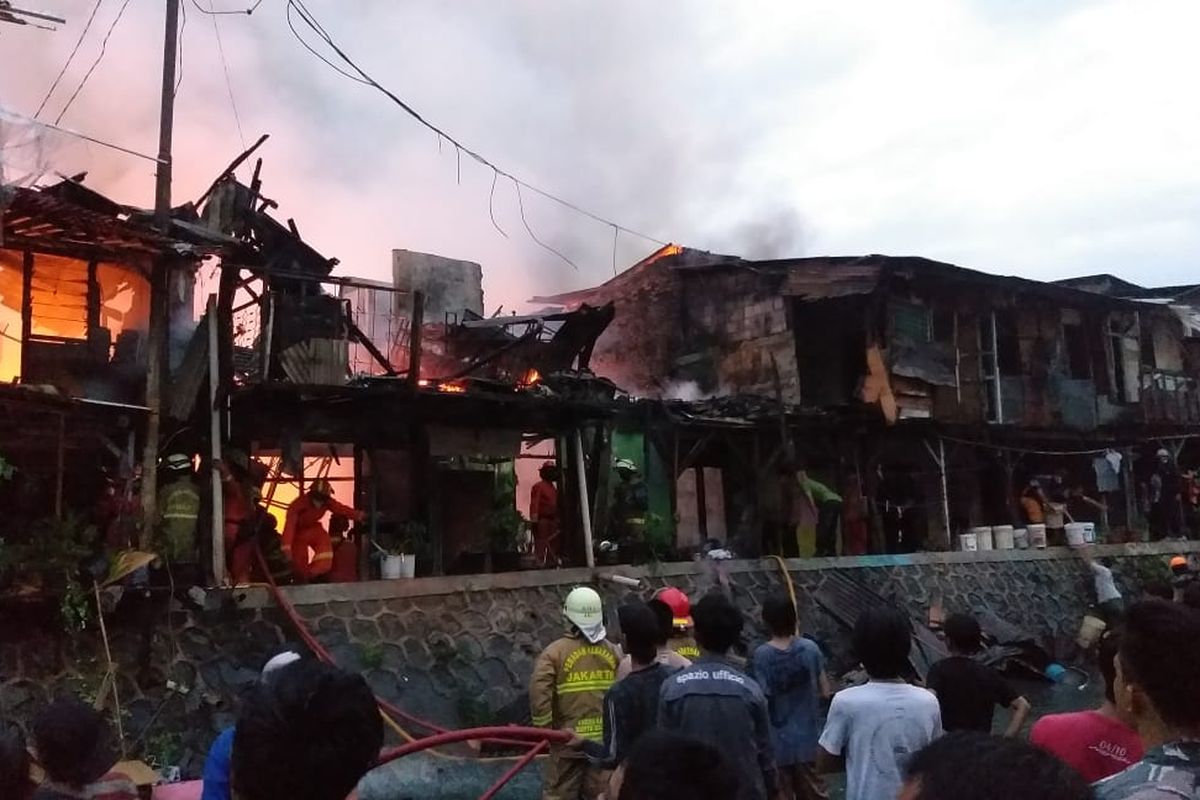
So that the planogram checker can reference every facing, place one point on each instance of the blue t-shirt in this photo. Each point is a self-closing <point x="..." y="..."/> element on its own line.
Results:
<point x="791" y="681"/>
<point x="216" y="768"/>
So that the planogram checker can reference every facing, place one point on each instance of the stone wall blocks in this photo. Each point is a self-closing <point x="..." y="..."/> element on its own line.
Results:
<point x="369" y="608"/>
<point x="364" y="631"/>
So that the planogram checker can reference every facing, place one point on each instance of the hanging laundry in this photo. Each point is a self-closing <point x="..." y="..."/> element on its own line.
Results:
<point x="1108" y="479"/>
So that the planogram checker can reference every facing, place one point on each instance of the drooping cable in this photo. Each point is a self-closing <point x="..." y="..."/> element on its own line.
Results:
<point x="87" y="26"/>
<point x="363" y="77"/>
<point x="228" y="81"/>
<point x="96" y="63"/>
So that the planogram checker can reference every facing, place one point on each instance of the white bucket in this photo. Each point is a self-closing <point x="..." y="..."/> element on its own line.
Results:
<point x="392" y="568"/>
<point x="1089" y="532"/>
<point x="1037" y="536"/>
<point x="408" y="568"/>
<point x="1003" y="536"/>
<point x="983" y="536"/>
<point x="1021" y="539"/>
<point x="1075" y="535"/>
<point x="968" y="542"/>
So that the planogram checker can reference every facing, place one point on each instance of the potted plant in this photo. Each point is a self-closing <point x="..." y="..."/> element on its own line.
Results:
<point x="505" y="528"/>
<point x="399" y="549"/>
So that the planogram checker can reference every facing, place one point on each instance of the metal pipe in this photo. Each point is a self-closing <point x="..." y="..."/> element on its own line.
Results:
<point x="214" y="432"/>
<point x="585" y="512"/>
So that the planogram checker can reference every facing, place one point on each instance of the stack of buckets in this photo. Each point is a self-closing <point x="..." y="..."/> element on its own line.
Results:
<point x="1003" y="537"/>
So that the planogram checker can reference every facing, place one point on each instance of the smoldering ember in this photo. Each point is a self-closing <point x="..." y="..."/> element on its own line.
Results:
<point x="219" y="444"/>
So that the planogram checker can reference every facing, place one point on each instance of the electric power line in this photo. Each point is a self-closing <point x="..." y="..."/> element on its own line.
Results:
<point x="225" y="66"/>
<point x="210" y="11"/>
<point x="363" y="77"/>
<point x="86" y="27"/>
<point x="92" y="68"/>
<point x="179" y="39"/>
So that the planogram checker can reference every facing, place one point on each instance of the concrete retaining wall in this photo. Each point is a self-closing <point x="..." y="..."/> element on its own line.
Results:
<point x="459" y="651"/>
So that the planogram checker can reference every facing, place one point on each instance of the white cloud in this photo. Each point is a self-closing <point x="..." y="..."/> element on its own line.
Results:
<point x="1031" y="138"/>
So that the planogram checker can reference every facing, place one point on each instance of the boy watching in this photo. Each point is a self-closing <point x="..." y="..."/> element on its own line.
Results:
<point x="791" y="671"/>
<point x="874" y="729"/>
<point x="967" y="690"/>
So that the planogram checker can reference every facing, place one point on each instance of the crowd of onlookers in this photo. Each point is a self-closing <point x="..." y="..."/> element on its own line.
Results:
<point x="674" y="711"/>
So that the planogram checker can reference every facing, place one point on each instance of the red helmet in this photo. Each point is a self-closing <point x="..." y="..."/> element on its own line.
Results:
<point x="681" y="608"/>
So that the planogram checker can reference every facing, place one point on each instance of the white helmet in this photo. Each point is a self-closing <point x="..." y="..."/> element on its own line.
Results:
<point x="625" y="464"/>
<point x="584" y="609"/>
<point x="177" y="462"/>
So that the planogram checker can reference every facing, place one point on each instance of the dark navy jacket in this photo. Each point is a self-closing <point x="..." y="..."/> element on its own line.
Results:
<point x="717" y="703"/>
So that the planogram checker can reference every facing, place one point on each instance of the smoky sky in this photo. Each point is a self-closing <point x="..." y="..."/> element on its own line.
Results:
<point x="1007" y="136"/>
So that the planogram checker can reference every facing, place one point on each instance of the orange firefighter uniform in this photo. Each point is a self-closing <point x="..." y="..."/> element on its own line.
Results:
<point x="302" y="530"/>
<point x="566" y="693"/>
<point x="239" y="542"/>
<point x="543" y="513"/>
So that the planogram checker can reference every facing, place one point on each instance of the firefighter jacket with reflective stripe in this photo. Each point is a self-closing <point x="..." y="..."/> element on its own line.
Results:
<point x="178" y="509"/>
<point x="570" y="678"/>
<point x="684" y="645"/>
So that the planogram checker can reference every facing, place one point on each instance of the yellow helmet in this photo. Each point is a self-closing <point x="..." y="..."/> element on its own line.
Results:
<point x="320" y="488"/>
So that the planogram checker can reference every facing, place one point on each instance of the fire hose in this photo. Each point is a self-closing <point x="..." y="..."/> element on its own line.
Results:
<point x="510" y="736"/>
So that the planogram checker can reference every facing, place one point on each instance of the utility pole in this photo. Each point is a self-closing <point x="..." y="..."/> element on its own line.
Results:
<point x="156" y="342"/>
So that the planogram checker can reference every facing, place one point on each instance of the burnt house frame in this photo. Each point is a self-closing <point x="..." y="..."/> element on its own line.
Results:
<point x="915" y="362"/>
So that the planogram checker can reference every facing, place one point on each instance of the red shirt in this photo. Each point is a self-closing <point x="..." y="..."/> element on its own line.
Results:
<point x="1096" y="745"/>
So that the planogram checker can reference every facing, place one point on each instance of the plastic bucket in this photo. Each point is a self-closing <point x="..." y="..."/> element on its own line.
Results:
<point x="1037" y="536"/>
<point x="1089" y="532"/>
<point x="392" y="568"/>
<point x="1075" y="534"/>
<point x="408" y="567"/>
<point x="1089" y="631"/>
<point x="983" y="537"/>
<point x="1021" y="539"/>
<point x="1003" y="537"/>
<point x="968" y="542"/>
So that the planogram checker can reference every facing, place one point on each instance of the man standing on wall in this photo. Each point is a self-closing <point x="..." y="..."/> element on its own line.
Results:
<point x="178" y="510"/>
<point x="566" y="693"/>
<point x="302" y="530"/>
<point x="630" y="503"/>
<point x="543" y="516"/>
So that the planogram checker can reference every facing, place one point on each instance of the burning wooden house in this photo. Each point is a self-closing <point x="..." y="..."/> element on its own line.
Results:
<point x="909" y="383"/>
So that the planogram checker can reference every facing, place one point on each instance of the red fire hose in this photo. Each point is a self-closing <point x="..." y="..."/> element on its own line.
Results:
<point x="513" y="733"/>
<point x="540" y="738"/>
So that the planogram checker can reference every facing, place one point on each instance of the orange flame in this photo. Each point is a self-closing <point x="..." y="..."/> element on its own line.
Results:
<point x="452" y="388"/>
<point x="531" y="378"/>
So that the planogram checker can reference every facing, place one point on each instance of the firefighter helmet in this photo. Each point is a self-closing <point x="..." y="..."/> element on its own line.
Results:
<point x="625" y="465"/>
<point x="681" y="608"/>
<point x="321" y="488"/>
<point x="585" y="611"/>
<point x="1179" y="564"/>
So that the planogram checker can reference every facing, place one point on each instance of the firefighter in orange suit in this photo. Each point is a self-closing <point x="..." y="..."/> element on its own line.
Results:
<point x="566" y="693"/>
<point x="302" y="530"/>
<point x="241" y="487"/>
<point x="543" y="517"/>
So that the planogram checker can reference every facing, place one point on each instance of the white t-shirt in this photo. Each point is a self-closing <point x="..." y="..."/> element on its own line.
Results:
<point x="878" y="727"/>
<point x="1106" y="588"/>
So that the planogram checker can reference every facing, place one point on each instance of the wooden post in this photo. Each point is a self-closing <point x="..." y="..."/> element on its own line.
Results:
<point x="416" y="323"/>
<point x="600" y="511"/>
<point x="266" y="335"/>
<point x="156" y="340"/>
<point x="26" y="309"/>
<point x="214" y="433"/>
<point x="585" y="514"/>
<point x="939" y="458"/>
